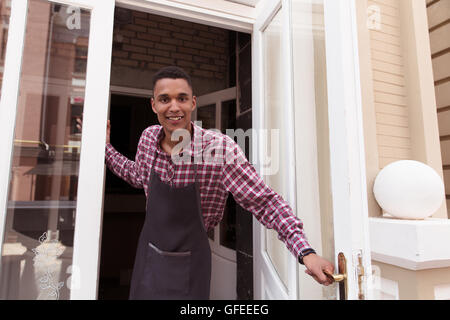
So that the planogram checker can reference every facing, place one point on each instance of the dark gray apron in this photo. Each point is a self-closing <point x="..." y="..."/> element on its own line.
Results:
<point x="173" y="258"/>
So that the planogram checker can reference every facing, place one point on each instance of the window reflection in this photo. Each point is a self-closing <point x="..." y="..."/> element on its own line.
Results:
<point x="37" y="249"/>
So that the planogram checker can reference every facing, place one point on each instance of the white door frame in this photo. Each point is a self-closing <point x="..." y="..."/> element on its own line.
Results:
<point x="347" y="151"/>
<point x="266" y="278"/>
<point x="218" y="13"/>
<point x="87" y="238"/>
<point x="346" y="146"/>
<point x="89" y="213"/>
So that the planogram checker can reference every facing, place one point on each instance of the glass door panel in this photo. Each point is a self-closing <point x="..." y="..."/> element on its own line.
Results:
<point x="312" y="131"/>
<point x="42" y="199"/>
<point x="275" y="82"/>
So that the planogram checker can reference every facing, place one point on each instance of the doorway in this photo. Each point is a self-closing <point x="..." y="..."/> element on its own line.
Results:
<point x="217" y="60"/>
<point x="124" y="205"/>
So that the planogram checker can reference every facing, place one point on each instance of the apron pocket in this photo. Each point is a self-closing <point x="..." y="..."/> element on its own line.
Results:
<point x="167" y="272"/>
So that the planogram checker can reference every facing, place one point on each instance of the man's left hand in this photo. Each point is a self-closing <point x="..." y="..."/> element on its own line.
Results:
<point x="315" y="265"/>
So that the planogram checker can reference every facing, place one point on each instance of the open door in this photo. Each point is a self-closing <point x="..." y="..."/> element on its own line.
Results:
<point x="57" y="69"/>
<point x="310" y="150"/>
<point x="275" y="268"/>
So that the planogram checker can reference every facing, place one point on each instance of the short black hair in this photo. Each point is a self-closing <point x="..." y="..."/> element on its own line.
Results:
<point x="171" y="72"/>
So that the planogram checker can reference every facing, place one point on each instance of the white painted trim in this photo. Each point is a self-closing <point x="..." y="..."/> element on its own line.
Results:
<point x="251" y="3"/>
<point x="266" y="277"/>
<point x="8" y="102"/>
<point x="291" y="197"/>
<point x="269" y="10"/>
<point x="212" y="98"/>
<point x="416" y="248"/>
<point x="216" y="13"/>
<point x="87" y="239"/>
<point x="257" y="121"/>
<point x="347" y="155"/>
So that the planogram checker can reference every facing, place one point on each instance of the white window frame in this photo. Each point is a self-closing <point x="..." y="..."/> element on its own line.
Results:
<point x="271" y="283"/>
<point x="87" y="238"/>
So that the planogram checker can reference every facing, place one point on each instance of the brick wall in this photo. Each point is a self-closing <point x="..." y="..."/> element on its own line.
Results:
<point x="143" y="43"/>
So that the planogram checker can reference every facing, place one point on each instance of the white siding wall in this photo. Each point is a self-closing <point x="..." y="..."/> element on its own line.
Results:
<point x="390" y="92"/>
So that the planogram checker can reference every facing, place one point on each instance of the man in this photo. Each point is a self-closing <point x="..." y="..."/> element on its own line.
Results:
<point x="187" y="198"/>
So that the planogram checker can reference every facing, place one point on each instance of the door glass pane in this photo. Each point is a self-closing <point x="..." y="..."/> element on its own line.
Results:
<point x="311" y="126"/>
<point x="5" y="13"/>
<point x="274" y="106"/>
<point x="39" y="232"/>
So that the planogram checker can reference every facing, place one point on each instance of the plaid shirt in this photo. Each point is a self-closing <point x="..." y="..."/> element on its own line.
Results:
<point x="216" y="177"/>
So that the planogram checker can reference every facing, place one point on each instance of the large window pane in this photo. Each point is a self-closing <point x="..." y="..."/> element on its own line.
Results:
<point x="274" y="110"/>
<point x="38" y="244"/>
<point x="311" y="125"/>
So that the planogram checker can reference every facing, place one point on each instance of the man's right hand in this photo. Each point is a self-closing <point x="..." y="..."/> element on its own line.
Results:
<point x="108" y="129"/>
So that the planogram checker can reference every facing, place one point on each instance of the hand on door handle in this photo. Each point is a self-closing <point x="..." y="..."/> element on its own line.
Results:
<point x="315" y="266"/>
<point x="334" y="277"/>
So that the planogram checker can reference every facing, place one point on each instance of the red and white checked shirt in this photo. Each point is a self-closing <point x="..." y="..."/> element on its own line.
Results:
<point x="215" y="180"/>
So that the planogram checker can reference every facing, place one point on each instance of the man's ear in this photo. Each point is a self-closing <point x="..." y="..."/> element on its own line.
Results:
<point x="152" y="103"/>
<point x="194" y="103"/>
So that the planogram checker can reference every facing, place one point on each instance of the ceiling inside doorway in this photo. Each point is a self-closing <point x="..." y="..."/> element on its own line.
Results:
<point x="251" y="3"/>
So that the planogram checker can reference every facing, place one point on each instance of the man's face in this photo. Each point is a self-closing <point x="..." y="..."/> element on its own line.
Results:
<point x="173" y="103"/>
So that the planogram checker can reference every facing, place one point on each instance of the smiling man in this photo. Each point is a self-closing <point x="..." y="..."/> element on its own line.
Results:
<point x="185" y="199"/>
<point x="173" y="103"/>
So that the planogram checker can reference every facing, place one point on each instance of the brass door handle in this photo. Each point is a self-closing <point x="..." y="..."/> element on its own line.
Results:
<point x="341" y="278"/>
<point x="335" y="277"/>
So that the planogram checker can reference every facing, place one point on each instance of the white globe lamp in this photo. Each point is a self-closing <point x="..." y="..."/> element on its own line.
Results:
<point x="409" y="189"/>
